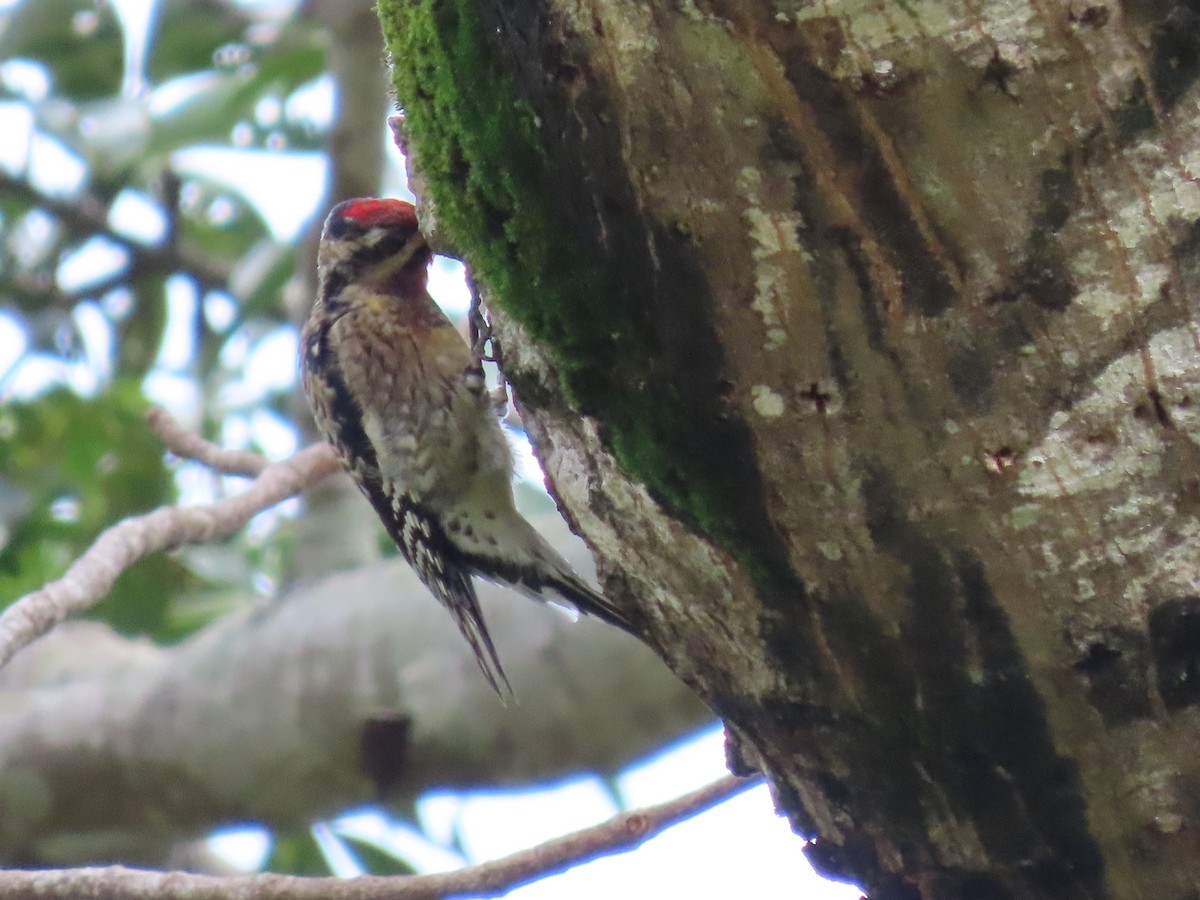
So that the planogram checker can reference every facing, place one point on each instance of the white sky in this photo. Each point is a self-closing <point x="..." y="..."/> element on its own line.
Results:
<point x="738" y="849"/>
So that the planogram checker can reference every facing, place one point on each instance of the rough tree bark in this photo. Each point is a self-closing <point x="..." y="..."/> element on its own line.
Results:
<point x="859" y="341"/>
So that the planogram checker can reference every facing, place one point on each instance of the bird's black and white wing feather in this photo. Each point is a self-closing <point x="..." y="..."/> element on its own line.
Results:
<point x="417" y="534"/>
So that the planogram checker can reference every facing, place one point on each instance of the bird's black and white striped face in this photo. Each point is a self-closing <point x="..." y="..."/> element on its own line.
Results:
<point x="369" y="241"/>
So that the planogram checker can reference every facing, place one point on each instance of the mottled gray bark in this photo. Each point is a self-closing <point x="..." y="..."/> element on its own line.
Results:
<point x="922" y="277"/>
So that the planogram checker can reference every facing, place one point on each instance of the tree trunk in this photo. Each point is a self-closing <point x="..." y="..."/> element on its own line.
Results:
<point x="858" y="339"/>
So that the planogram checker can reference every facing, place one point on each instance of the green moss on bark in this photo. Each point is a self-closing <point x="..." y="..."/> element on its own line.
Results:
<point x="480" y="152"/>
<point x="483" y="159"/>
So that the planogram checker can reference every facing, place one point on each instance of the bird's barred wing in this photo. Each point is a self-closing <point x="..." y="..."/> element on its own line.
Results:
<point x="334" y="408"/>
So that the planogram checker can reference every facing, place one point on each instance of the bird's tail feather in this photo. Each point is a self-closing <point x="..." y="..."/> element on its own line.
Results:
<point x="545" y="576"/>
<point x="464" y="608"/>
<point x="585" y="598"/>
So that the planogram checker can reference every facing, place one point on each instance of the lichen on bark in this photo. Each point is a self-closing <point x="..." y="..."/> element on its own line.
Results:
<point x="914" y="281"/>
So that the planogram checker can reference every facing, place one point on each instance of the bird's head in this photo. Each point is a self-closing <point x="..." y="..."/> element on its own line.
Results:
<point x="372" y="241"/>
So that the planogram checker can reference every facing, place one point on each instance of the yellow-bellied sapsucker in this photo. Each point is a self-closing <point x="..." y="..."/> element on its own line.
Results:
<point x="402" y="398"/>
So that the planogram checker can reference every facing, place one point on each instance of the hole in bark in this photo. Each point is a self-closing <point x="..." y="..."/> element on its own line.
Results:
<point x="1114" y="668"/>
<point x="1060" y="198"/>
<point x="999" y="73"/>
<point x="819" y="398"/>
<point x="1135" y="114"/>
<point x="1175" y="60"/>
<point x="970" y="372"/>
<point x="999" y="461"/>
<point x="1043" y="279"/>
<point x="1098" y="658"/>
<point x="1092" y="17"/>
<point x="1175" y="640"/>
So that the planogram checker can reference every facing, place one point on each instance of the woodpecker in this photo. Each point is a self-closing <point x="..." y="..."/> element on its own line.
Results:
<point x="402" y="399"/>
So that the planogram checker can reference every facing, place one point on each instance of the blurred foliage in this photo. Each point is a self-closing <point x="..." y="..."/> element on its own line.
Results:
<point x="375" y="859"/>
<point x="76" y="455"/>
<point x="296" y="853"/>
<point x="188" y="36"/>
<point x="299" y="853"/>
<point x="246" y="75"/>
<point x="80" y="39"/>
<point x="75" y="466"/>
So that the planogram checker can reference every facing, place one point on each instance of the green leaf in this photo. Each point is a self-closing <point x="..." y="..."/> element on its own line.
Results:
<point x="189" y="614"/>
<point x="187" y="34"/>
<point x="85" y="464"/>
<point x="212" y="113"/>
<point x="274" y="266"/>
<point x="290" y="63"/>
<point x="80" y="40"/>
<point x="231" y="238"/>
<point x="296" y="853"/>
<point x="206" y="117"/>
<point x="375" y="859"/>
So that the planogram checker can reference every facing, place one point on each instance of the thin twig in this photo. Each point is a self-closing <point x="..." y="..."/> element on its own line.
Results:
<point x="489" y="879"/>
<point x="91" y="577"/>
<point x="187" y="444"/>
<point x="618" y="835"/>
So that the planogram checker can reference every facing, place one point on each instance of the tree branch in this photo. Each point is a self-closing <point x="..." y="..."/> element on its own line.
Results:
<point x="91" y="576"/>
<point x="364" y="652"/>
<point x="621" y="833"/>
<point x="349" y="690"/>
<point x="187" y="444"/>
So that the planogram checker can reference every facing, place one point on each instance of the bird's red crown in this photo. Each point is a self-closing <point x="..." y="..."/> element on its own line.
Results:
<point x="370" y="212"/>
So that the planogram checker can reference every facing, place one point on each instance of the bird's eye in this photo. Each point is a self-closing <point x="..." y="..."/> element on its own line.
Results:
<point x="337" y="227"/>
